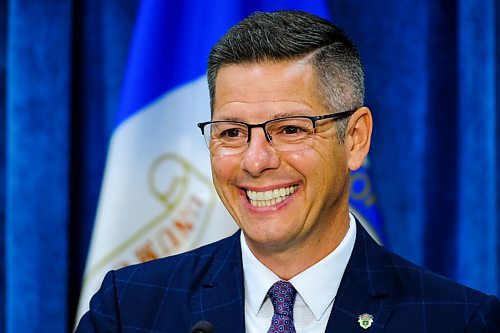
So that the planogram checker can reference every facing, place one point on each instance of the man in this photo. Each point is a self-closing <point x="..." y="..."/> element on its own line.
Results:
<point x="288" y="126"/>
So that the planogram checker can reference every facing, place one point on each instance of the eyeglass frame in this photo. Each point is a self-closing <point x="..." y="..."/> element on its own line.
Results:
<point x="313" y="119"/>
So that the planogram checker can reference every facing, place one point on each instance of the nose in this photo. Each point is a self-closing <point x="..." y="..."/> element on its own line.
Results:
<point x="260" y="154"/>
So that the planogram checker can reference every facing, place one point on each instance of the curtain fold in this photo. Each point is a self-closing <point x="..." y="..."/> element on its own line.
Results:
<point x="3" y="67"/>
<point x="37" y="165"/>
<point x="101" y="33"/>
<point x="477" y="238"/>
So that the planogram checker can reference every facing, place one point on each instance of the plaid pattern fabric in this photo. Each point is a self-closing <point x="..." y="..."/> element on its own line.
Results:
<point x="172" y="294"/>
<point x="282" y="295"/>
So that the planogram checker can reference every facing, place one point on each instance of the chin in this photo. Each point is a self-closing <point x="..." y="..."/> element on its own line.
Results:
<point x="267" y="238"/>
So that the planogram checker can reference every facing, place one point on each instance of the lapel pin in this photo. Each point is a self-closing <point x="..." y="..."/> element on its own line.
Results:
<point x="365" y="320"/>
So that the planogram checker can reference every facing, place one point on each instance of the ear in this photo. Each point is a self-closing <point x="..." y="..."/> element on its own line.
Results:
<point x="358" y="137"/>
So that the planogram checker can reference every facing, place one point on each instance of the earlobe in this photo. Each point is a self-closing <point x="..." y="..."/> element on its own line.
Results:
<point x="359" y="132"/>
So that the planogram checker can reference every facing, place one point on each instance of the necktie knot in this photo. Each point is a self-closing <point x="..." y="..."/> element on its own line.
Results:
<point x="282" y="295"/>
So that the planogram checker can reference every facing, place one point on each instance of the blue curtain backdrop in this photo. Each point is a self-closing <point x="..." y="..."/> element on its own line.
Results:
<point x="431" y="74"/>
<point x="61" y="66"/>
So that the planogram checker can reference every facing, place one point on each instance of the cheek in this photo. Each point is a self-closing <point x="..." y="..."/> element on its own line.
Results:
<point x="223" y="168"/>
<point x="319" y="167"/>
<point x="306" y="162"/>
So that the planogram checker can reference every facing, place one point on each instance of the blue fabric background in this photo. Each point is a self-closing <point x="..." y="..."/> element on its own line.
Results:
<point x="431" y="74"/>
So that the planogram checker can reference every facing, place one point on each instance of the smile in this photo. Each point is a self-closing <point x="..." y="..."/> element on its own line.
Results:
<point x="270" y="198"/>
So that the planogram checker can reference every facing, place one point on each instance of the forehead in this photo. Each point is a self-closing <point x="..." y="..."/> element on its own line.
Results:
<point x="263" y="89"/>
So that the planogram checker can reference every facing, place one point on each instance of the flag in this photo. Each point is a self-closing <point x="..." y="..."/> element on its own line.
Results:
<point x="157" y="198"/>
<point x="363" y="203"/>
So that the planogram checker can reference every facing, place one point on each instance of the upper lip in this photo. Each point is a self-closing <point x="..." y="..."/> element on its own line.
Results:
<point x="267" y="188"/>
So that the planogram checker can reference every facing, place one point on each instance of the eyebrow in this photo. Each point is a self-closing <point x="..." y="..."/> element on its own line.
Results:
<point x="276" y="116"/>
<point x="285" y="114"/>
<point x="228" y="119"/>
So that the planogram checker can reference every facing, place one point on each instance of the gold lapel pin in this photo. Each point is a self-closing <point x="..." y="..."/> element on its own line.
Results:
<point x="365" y="320"/>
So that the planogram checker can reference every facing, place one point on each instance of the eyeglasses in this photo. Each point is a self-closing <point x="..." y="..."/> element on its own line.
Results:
<point x="292" y="133"/>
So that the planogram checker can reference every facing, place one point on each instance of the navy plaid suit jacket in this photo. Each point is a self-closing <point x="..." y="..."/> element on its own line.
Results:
<point x="172" y="294"/>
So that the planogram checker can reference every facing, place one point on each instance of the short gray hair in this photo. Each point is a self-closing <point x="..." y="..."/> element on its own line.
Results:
<point x="289" y="35"/>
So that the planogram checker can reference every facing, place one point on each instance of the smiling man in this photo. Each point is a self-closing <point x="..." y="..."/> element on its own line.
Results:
<point x="288" y="126"/>
<point x="287" y="190"/>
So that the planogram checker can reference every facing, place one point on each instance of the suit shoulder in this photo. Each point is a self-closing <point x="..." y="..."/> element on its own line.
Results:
<point x="446" y="304"/>
<point x="185" y="266"/>
<point x="420" y="283"/>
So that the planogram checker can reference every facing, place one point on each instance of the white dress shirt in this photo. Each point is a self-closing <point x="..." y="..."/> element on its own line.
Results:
<point x="316" y="288"/>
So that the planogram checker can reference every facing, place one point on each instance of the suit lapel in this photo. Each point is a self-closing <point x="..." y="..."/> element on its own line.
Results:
<point x="363" y="288"/>
<point x="220" y="299"/>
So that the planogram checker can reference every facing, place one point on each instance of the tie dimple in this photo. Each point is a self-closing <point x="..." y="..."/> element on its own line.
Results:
<point x="282" y="295"/>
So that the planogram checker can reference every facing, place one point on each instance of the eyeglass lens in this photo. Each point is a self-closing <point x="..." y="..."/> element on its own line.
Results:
<point x="290" y="134"/>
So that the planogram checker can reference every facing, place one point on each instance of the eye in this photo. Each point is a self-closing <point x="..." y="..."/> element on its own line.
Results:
<point x="228" y="131"/>
<point x="231" y="133"/>
<point x="292" y="130"/>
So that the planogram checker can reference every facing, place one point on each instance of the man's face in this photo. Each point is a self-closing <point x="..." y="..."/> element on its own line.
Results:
<point x="314" y="181"/>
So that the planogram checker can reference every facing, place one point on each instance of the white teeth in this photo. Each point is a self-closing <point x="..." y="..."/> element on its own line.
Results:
<point x="268" y="195"/>
<point x="270" y="198"/>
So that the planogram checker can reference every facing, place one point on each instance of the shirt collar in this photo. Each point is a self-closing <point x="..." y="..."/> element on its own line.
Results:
<point x="257" y="275"/>
<point x="317" y="285"/>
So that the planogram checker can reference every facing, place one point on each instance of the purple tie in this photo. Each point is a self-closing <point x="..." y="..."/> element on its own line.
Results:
<point x="282" y="295"/>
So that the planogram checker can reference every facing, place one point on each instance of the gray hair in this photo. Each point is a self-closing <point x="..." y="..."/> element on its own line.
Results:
<point x="290" y="35"/>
